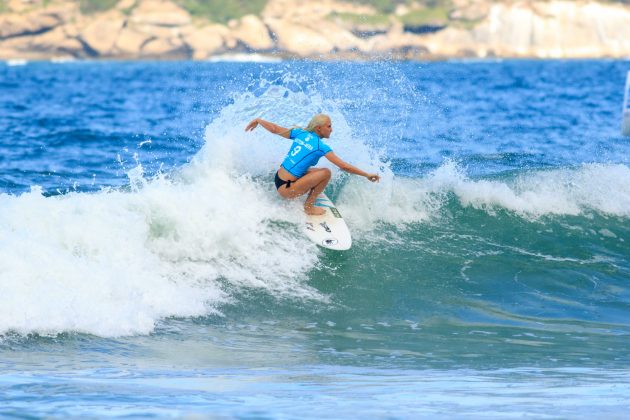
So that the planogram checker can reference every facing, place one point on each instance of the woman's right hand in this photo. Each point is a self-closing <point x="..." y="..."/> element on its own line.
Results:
<point x="253" y="124"/>
<point x="373" y="177"/>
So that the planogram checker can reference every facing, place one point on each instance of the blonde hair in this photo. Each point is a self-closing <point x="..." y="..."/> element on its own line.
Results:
<point x="316" y="121"/>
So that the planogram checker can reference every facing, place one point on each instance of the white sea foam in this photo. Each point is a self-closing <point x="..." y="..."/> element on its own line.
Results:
<point x="17" y="62"/>
<point x="581" y="190"/>
<point x="244" y="58"/>
<point x="116" y="262"/>
<point x="601" y="188"/>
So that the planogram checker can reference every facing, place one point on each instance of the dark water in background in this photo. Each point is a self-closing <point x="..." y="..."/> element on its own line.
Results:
<point x="147" y="266"/>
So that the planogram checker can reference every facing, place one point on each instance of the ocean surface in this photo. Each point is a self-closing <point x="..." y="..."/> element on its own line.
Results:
<point x="148" y="267"/>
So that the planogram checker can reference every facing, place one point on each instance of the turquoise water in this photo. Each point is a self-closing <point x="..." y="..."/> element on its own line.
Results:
<point x="147" y="267"/>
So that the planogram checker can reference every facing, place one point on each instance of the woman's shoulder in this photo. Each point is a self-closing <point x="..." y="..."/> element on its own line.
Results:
<point x="323" y="146"/>
<point x="297" y="131"/>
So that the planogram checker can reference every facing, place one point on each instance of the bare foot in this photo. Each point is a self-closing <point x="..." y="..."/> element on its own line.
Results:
<point x="314" y="211"/>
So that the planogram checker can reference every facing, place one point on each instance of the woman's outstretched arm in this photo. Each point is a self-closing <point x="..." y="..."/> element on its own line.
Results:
<point x="269" y="126"/>
<point x="345" y="166"/>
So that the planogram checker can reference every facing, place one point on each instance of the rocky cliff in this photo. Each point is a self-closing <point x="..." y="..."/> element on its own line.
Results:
<point x="317" y="29"/>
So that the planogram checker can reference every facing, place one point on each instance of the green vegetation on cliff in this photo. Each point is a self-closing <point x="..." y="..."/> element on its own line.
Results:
<point x="389" y="6"/>
<point x="358" y="19"/>
<point x="222" y="11"/>
<point x="427" y="16"/>
<point x="419" y="12"/>
<point x="96" y="6"/>
<point x="422" y="12"/>
<point x="383" y="6"/>
<point x="415" y="14"/>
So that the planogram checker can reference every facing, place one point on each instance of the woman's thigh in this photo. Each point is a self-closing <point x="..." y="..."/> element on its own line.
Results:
<point x="313" y="177"/>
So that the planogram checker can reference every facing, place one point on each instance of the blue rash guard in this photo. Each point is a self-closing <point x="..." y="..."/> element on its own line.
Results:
<point x="305" y="152"/>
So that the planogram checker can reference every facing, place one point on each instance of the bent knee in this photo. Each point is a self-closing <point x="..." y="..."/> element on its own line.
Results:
<point x="325" y="173"/>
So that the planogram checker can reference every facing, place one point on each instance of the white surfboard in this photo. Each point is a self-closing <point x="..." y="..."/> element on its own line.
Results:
<point x="328" y="230"/>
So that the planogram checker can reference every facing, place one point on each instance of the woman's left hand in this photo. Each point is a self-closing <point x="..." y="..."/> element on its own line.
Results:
<point x="373" y="177"/>
<point x="253" y="124"/>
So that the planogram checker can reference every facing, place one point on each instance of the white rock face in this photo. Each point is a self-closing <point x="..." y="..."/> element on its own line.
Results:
<point x="554" y="29"/>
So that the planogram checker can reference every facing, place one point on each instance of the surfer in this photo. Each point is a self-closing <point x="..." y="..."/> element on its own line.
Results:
<point x="295" y="176"/>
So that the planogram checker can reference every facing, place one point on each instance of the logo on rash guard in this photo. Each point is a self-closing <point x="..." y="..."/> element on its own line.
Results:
<point x="302" y="143"/>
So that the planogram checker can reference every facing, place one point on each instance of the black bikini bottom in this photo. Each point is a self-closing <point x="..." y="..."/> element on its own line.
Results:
<point x="280" y="182"/>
